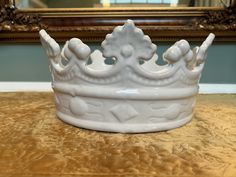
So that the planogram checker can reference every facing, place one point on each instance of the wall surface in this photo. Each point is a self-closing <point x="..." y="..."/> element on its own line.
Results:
<point x="28" y="62"/>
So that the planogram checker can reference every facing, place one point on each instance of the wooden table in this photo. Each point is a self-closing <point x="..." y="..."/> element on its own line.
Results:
<point x="33" y="142"/>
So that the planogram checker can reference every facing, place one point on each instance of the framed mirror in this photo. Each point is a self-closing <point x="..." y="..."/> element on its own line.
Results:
<point x="91" y="20"/>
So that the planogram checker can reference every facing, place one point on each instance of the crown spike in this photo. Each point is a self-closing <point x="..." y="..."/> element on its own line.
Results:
<point x="202" y="52"/>
<point x="128" y="42"/>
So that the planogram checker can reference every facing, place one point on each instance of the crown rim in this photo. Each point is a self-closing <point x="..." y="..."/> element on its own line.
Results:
<point x="126" y="93"/>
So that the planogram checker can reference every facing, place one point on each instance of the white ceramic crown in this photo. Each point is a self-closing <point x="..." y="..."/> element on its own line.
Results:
<point x="132" y="95"/>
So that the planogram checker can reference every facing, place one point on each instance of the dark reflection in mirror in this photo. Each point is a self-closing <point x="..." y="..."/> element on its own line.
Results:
<point x="119" y="3"/>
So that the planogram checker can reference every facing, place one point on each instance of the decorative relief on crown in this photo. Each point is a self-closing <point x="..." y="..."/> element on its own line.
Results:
<point x="133" y="94"/>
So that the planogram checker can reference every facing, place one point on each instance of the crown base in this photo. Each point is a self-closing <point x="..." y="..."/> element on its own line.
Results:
<point x="123" y="128"/>
<point x="124" y="115"/>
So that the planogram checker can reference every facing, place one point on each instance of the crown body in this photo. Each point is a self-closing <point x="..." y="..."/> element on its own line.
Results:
<point x="133" y="94"/>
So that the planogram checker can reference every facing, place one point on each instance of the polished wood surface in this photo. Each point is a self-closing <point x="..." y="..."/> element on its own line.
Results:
<point x="35" y="143"/>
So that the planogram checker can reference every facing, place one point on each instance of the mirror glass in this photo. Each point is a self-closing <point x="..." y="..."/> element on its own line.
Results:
<point x="24" y="4"/>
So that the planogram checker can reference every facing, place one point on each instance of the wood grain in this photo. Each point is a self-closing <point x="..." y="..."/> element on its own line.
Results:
<point x="33" y="142"/>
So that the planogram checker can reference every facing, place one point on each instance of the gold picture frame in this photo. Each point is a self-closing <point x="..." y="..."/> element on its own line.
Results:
<point x="92" y="24"/>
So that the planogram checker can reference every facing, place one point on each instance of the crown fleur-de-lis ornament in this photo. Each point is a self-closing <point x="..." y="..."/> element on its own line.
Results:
<point x="133" y="94"/>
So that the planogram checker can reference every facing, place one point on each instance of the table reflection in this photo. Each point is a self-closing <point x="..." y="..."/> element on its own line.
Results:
<point x="118" y="3"/>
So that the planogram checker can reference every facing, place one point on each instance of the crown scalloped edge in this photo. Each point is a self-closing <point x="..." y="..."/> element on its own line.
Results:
<point x="133" y="93"/>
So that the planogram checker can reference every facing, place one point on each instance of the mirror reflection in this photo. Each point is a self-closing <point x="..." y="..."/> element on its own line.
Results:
<point x="118" y="3"/>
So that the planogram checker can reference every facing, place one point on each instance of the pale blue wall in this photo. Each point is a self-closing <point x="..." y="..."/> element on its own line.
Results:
<point x="28" y="62"/>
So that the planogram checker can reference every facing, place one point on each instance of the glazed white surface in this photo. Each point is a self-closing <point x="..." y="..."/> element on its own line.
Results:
<point x="132" y="95"/>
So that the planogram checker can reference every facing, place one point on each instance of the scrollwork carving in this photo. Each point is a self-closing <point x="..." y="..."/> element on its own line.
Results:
<point x="219" y="20"/>
<point x="13" y="20"/>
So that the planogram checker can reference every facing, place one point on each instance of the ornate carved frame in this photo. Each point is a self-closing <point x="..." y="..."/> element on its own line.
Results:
<point x="91" y="25"/>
